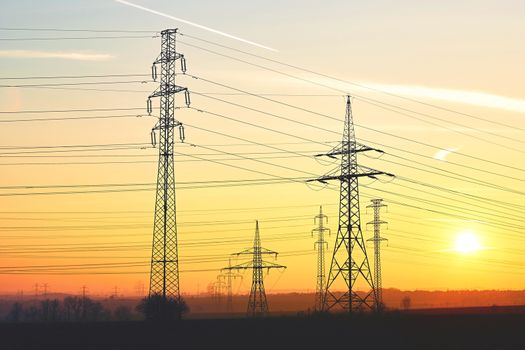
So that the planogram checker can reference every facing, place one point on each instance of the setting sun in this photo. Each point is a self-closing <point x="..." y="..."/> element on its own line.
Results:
<point x="466" y="243"/>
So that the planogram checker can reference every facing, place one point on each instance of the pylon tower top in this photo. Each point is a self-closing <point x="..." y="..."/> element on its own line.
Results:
<point x="164" y="276"/>
<point x="257" y="303"/>
<point x="350" y="268"/>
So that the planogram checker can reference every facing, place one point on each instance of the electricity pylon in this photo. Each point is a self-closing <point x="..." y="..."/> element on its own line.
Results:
<point x="350" y="263"/>
<point x="321" y="245"/>
<point x="377" y="239"/>
<point x="218" y="287"/>
<point x="164" y="277"/>
<point x="257" y="303"/>
<point x="229" y="275"/>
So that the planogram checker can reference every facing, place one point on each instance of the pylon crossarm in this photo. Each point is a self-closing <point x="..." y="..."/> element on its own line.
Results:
<point x="167" y="90"/>
<point x="271" y="265"/>
<point x="366" y="169"/>
<point x="175" y="57"/>
<point x="346" y="177"/>
<point x="377" y="222"/>
<point x="268" y="251"/>
<point x="339" y="151"/>
<point x="243" y="266"/>
<point x="248" y="251"/>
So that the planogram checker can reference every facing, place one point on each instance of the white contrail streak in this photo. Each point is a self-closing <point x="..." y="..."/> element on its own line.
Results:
<point x="468" y="97"/>
<point x="474" y="98"/>
<point x="77" y="56"/>
<point x="195" y="25"/>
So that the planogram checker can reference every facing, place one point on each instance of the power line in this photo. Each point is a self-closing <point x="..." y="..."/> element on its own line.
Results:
<point x="331" y="131"/>
<point x="70" y="118"/>
<point x="484" y="170"/>
<point x="353" y="83"/>
<point x="82" y="38"/>
<point x="134" y="161"/>
<point x="73" y="76"/>
<point x="76" y="30"/>
<point x="76" y="83"/>
<point x="465" y="178"/>
<point x="37" y="111"/>
<point x="383" y="104"/>
<point x="358" y="125"/>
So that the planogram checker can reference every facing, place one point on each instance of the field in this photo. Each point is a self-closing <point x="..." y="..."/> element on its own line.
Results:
<point x="482" y="328"/>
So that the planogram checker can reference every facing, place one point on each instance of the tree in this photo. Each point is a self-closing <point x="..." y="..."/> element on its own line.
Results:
<point x="73" y="308"/>
<point x="49" y="310"/>
<point x="406" y="303"/>
<point x="122" y="313"/>
<point x="84" y="309"/>
<point x="157" y="308"/>
<point x="16" y="313"/>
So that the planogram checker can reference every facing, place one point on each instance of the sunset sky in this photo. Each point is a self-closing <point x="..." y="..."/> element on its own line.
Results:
<point x="437" y="85"/>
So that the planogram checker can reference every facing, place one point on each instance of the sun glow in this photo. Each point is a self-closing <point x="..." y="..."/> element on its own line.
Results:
<point x="467" y="243"/>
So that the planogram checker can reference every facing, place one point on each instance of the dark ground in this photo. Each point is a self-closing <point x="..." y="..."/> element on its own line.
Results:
<point x="391" y="331"/>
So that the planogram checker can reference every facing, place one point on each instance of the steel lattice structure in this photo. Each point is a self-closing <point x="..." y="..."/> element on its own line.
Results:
<point x="321" y="245"/>
<point x="257" y="303"/>
<point x="377" y="239"/>
<point x="164" y="277"/>
<point x="350" y="259"/>
<point x="229" y="275"/>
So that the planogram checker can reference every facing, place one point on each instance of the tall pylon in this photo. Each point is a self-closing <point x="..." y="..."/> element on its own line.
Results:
<point x="321" y="245"/>
<point x="257" y="303"/>
<point x="377" y="204"/>
<point x="164" y="277"/>
<point x="229" y="275"/>
<point x="350" y="266"/>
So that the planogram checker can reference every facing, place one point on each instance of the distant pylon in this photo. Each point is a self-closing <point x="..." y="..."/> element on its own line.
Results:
<point x="257" y="303"/>
<point x="350" y="263"/>
<point x="377" y="239"/>
<point x="321" y="245"/>
<point x="164" y="277"/>
<point x="218" y="287"/>
<point x="229" y="275"/>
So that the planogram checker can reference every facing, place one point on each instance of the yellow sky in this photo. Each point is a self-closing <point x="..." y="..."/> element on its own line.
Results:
<point x="446" y="70"/>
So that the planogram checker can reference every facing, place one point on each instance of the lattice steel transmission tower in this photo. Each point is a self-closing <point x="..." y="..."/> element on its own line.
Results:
<point x="218" y="287"/>
<point x="377" y="204"/>
<point x="229" y="275"/>
<point x="164" y="278"/>
<point x="350" y="266"/>
<point x="321" y="245"/>
<point x="257" y="303"/>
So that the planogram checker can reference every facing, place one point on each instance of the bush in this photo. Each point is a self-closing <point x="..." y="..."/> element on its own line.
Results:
<point x="16" y="313"/>
<point x="158" y="308"/>
<point x="122" y="313"/>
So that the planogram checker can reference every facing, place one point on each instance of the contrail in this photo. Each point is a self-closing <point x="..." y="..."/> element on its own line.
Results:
<point x="468" y="97"/>
<point x="195" y="25"/>
<point x="475" y="98"/>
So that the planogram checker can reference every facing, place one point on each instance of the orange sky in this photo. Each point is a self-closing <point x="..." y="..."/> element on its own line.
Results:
<point x="466" y="68"/>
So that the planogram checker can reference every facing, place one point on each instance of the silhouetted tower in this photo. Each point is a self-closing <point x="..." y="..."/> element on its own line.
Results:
<point x="321" y="245"/>
<point x="257" y="303"/>
<point x="229" y="276"/>
<point x="377" y="204"/>
<point x="218" y="287"/>
<point x="84" y="290"/>
<point x="164" y="278"/>
<point x="350" y="263"/>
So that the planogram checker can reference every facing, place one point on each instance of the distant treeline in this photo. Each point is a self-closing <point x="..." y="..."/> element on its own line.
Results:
<point x="83" y="309"/>
<point x="70" y="309"/>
